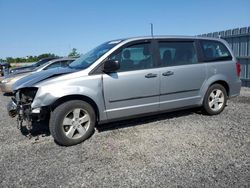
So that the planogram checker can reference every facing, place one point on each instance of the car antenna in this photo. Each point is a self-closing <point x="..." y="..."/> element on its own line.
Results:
<point x="152" y="29"/>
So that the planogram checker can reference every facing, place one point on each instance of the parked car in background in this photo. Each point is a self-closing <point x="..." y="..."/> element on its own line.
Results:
<point x="129" y="78"/>
<point x="4" y="66"/>
<point x="8" y="81"/>
<point x="31" y="67"/>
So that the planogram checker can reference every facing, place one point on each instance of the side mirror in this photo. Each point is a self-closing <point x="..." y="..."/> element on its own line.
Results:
<point x="111" y="66"/>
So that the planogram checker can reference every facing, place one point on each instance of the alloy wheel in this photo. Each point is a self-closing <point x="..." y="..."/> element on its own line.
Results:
<point x="216" y="100"/>
<point x="76" y="123"/>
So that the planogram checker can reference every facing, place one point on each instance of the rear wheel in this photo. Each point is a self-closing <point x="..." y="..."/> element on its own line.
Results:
<point x="215" y="99"/>
<point x="72" y="122"/>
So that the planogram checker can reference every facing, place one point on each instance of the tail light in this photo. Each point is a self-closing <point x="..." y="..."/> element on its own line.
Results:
<point x="238" y="69"/>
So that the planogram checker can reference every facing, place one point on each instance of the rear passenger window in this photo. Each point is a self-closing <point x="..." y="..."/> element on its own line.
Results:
<point x="177" y="53"/>
<point x="215" y="51"/>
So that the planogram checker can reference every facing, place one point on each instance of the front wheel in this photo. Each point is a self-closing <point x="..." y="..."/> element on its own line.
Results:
<point x="72" y="122"/>
<point x="215" y="99"/>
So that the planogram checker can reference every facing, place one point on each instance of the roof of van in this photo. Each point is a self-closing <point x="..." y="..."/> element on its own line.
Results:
<point x="63" y="59"/>
<point x="167" y="37"/>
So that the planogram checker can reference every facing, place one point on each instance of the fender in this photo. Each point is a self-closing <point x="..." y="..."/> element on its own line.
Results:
<point x="213" y="79"/>
<point x="48" y="94"/>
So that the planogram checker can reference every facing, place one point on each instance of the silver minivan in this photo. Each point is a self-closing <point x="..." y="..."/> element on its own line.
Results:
<point x="128" y="78"/>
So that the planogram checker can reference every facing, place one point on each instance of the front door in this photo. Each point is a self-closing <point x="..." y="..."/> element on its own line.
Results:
<point x="134" y="88"/>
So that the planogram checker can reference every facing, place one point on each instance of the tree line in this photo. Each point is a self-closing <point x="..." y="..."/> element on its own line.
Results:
<point x="27" y="59"/>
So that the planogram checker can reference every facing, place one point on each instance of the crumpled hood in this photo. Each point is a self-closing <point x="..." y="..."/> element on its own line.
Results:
<point x="30" y="80"/>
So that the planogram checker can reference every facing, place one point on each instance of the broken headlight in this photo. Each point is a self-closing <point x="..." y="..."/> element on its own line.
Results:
<point x="26" y="95"/>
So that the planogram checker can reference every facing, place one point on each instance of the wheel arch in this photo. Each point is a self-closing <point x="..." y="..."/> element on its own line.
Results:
<point x="76" y="97"/>
<point x="216" y="79"/>
<point x="224" y="84"/>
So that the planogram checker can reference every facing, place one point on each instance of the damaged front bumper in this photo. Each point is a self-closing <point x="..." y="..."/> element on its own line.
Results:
<point x="21" y="106"/>
<point x="22" y="111"/>
<point x="25" y="112"/>
<point x="12" y="108"/>
<point x="26" y="116"/>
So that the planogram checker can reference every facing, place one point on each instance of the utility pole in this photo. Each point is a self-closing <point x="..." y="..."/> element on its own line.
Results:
<point x="152" y="29"/>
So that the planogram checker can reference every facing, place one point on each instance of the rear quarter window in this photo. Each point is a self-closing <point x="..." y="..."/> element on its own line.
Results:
<point x="215" y="51"/>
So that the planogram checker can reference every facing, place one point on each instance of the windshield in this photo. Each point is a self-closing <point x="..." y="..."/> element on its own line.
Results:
<point x="90" y="57"/>
<point x="42" y="62"/>
<point x="43" y="65"/>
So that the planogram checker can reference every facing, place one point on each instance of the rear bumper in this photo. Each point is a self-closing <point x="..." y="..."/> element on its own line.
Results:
<point x="235" y="89"/>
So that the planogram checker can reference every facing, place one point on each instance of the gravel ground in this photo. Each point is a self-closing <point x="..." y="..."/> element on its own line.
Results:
<point x="180" y="149"/>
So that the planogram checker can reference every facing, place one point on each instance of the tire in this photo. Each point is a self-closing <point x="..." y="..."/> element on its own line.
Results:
<point x="72" y="122"/>
<point x="215" y="100"/>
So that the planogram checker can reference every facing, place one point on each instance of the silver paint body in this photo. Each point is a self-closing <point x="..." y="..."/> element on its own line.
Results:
<point x="124" y="94"/>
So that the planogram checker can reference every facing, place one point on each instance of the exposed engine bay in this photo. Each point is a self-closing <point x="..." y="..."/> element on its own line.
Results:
<point x="20" y="106"/>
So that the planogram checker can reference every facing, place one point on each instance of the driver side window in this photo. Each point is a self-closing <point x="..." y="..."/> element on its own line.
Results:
<point x="134" y="57"/>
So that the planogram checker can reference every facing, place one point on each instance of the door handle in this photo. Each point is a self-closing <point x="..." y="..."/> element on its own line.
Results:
<point x="150" y="75"/>
<point x="168" y="73"/>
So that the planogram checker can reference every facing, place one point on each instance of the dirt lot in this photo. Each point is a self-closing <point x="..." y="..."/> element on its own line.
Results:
<point x="180" y="149"/>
